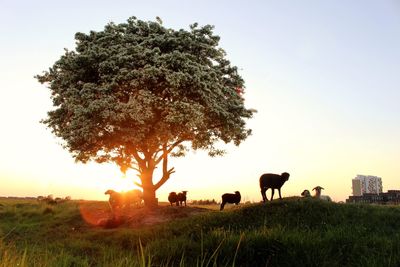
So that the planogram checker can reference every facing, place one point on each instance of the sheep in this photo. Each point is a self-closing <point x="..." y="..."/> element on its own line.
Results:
<point x="173" y="198"/>
<point x="182" y="197"/>
<point x="124" y="199"/>
<point x="305" y="193"/>
<point x="273" y="181"/>
<point x="134" y="196"/>
<point x="318" y="194"/>
<point x="230" y="198"/>
<point x="49" y="200"/>
<point x="115" y="199"/>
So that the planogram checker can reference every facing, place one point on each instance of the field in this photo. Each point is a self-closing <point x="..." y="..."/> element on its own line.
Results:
<point x="289" y="232"/>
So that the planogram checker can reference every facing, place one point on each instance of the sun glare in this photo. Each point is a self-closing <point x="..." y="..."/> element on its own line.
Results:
<point x="122" y="184"/>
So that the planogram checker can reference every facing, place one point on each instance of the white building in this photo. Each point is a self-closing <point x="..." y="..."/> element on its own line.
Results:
<point x="363" y="184"/>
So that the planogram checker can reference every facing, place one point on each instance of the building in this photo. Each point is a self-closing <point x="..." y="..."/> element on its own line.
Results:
<point x="366" y="184"/>
<point x="390" y="197"/>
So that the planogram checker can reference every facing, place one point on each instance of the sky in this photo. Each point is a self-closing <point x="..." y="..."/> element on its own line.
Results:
<point x="323" y="76"/>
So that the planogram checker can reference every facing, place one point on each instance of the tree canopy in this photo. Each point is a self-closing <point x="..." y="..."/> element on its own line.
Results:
<point x="137" y="92"/>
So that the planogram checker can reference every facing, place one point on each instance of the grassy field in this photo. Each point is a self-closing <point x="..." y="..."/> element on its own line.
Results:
<point x="290" y="232"/>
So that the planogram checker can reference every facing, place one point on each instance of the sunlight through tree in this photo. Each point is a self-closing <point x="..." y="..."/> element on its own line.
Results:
<point x="137" y="92"/>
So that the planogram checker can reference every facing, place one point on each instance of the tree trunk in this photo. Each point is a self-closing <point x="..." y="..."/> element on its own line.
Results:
<point x="149" y="190"/>
<point x="146" y="167"/>
<point x="149" y="196"/>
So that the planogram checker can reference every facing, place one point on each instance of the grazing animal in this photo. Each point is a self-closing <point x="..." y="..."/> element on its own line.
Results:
<point x="48" y="200"/>
<point x="51" y="201"/>
<point x="124" y="199"/>
<point x="318" y="190"/>
<point x="305" y="193"/>
<point x="273" y="181"/>
<point x="173" y="198"/>
<point x="230" y="198"/>
<point x="182" y="197"/>
<point x="134" y="196"/>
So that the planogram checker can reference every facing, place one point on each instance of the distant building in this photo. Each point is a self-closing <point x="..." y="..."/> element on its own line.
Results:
<point x="366" y="184"/>
<point x="390" y="197"/>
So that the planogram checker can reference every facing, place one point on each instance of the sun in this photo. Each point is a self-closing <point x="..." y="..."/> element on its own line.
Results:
<point x="122" y="183"/>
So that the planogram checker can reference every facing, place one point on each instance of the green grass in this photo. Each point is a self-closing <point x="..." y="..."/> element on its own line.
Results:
<point x="291" y="232"/>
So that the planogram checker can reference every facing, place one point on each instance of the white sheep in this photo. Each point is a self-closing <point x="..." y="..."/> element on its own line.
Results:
<point x="318" y="194"/>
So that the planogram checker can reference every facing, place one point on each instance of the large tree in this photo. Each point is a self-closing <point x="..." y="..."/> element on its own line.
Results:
<point x="137" y="92"/>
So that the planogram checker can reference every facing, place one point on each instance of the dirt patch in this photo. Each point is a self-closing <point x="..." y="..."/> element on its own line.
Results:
<point x="98" y="214"/>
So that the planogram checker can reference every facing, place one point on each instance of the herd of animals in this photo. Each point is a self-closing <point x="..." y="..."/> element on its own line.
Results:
<point x="179" y="198"/>
<point x="267" y="181"/>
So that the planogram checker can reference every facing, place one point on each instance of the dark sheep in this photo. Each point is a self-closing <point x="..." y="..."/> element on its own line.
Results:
<point x="273" y="181"/>
<point x="124" y="199"/>
<point x="49" y="199"/>
<point x="305" y="193"/>
<point x="182" y="197"/>
<point x="230" y="198"/>
<point x="134" y="197"/>
<point x="173" y="198"/>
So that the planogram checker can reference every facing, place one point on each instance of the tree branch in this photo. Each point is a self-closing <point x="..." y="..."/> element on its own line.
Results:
<point x="137" y="157"/>
<point x="140" y="185"/>
<point x="164" y="178"/>
<point x="166" y="173"/>
<point x="167" y="151"/>
<point x="136" y="169"/>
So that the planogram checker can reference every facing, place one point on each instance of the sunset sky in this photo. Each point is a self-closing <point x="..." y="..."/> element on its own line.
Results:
<point x="323" y="75"/>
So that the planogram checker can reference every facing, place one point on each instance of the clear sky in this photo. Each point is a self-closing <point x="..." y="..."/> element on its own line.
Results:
<point x="323" y="75"/>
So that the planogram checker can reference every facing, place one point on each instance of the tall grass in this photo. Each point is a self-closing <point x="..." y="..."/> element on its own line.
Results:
<point x="290" y="232"/>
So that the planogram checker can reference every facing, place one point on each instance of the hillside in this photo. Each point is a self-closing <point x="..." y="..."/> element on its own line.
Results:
<point x="291" y="232"/>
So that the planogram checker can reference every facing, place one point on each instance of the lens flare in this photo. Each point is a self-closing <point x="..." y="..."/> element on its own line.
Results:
<point x="95" y="213"/>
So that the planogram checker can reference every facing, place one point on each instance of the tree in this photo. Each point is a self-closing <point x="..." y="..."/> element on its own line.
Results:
<point x="137" y="92"/>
